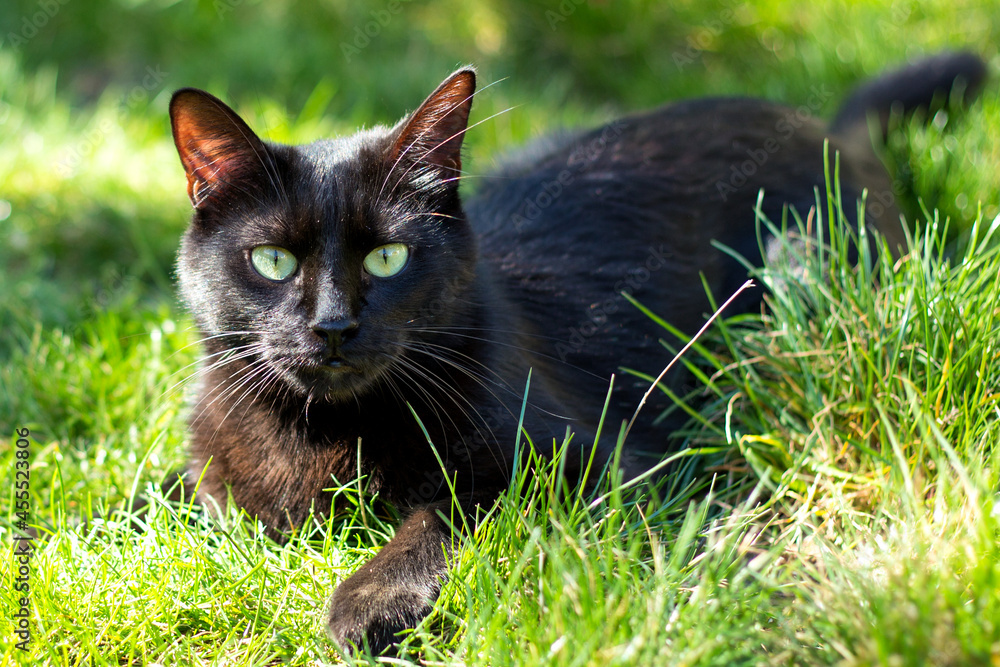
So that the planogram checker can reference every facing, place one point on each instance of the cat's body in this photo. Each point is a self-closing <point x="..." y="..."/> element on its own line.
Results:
<point x="317" y="352"/>
<point x="663" y="185"/>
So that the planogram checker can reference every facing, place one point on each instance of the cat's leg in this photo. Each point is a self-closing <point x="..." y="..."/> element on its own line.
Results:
<point x="397" y="588"/>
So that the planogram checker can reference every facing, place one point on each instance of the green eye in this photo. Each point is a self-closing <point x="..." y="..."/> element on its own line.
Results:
<point x="272" y="262"/>
<point x="387" y="260"/>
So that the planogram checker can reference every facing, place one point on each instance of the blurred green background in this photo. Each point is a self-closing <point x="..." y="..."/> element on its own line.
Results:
<point x="92" y="196"/>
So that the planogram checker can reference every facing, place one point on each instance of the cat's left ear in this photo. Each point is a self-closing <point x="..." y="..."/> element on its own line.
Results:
<point x="432" y="135"/>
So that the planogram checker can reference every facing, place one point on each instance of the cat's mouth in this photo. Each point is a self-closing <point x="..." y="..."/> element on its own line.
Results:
<point x="329" y="375"/>
<point x="336" y="377"/>
<point x="338" y="365"/>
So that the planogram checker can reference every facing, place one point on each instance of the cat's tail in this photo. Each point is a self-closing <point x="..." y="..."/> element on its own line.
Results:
<point x="933" y="80"/>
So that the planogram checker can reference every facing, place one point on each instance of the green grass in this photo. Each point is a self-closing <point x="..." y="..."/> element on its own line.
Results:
<point x="843" y="508"/>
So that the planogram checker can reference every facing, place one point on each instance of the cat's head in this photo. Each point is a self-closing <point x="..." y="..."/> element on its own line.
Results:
<point x="317" y="265"/>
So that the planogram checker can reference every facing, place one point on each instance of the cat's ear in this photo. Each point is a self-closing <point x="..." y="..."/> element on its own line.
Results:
<point x="216" y="147"/>
<point x="432" y="135"/>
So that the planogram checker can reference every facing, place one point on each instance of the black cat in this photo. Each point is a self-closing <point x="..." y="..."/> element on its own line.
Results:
<point x="340" y="283"/>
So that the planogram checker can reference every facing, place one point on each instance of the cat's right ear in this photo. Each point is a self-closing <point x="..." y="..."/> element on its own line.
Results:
<point x="216" y="147"/>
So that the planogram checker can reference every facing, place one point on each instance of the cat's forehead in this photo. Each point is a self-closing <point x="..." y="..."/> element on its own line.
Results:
<point x="363" y="150"/>
<point x="343" y="185"/>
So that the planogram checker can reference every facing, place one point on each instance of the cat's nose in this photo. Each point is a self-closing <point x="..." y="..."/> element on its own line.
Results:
<point x="336" y="332"/>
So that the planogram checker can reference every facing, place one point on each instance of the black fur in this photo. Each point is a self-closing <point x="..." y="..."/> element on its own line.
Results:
<point x="526" y="275"/>
<point x="907" y="89"/>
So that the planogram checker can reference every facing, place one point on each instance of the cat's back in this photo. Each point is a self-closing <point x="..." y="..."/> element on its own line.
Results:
<point x="569" y="224"/>
<point x="706" y="151"/>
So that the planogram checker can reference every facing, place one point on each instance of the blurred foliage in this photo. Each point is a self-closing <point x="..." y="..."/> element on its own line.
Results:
<point x="383" y="55"/>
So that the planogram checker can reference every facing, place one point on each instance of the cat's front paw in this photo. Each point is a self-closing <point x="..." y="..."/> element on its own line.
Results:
<point x="373" y="609"/>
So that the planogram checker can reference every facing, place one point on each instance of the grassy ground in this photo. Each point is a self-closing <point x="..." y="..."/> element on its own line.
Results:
<point x="845" y="509"/>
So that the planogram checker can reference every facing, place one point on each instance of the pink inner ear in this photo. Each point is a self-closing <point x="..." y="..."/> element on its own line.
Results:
<point x="214" y="144"/>
<point x="207" y="163"/>
<point x="434" y="133"/>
